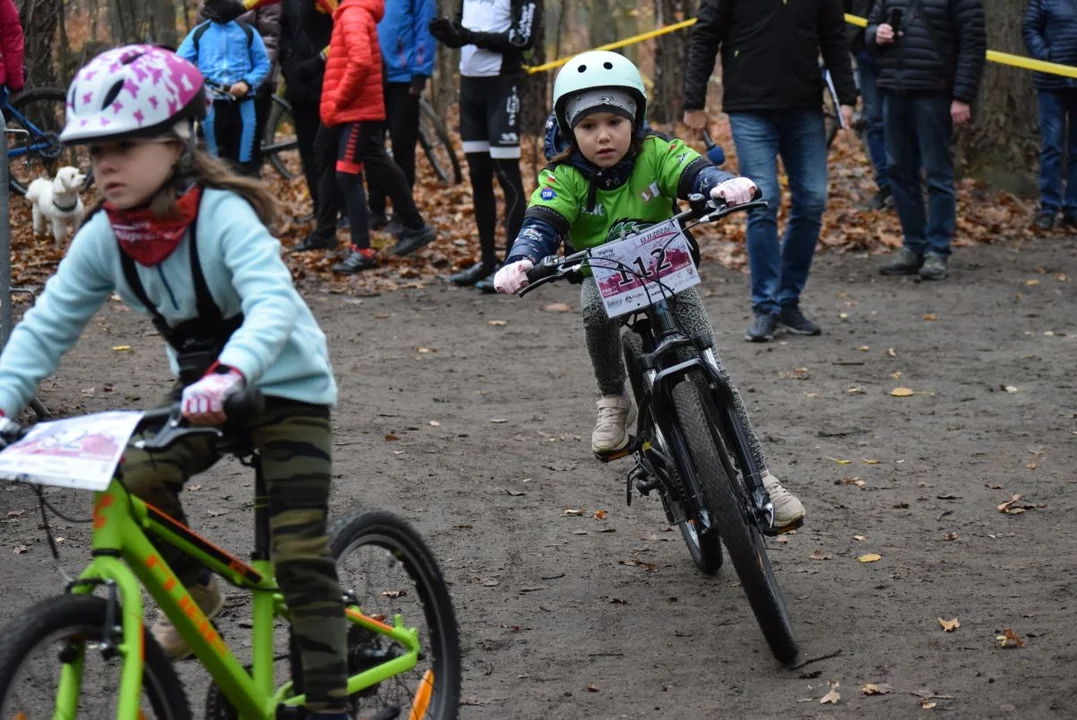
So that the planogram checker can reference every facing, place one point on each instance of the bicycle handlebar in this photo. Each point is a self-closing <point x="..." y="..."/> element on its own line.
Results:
<point x="701" y="209"/>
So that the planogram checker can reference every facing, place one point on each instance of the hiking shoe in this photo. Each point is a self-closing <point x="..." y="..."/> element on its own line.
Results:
<point x="763" y="328"/>
<point x="793" y="320"/>
<point x="882" y="200"/>
<point x="210" y="601"/>
<point x="1069" y="221"/>
<point x="409" y="240"/>
<point x="314" y="242"/>
<point x="934" y="267"/>
<point x="1044" y="221"/>
<point x="906" y="262"/>
<point x="611" y="430"/>
<point x="788" y="509"/>
<point x="486" y="285"/>
<point x="394" y="226"/>
<point x="470" y="276"/>
<point x="356" y="262"/>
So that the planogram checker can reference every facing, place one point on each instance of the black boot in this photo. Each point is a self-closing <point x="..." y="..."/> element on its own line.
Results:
<point x="316" y="242"/>
<point x="470" y="276"/>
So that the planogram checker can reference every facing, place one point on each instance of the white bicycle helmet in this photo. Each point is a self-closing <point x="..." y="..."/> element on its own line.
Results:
<point x="597" y="69"/>
<point x="132" y="91"/>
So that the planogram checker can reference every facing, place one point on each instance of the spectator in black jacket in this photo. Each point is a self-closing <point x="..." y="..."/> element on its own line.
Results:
<point x="867" y="72"/>
<point x="930" y="69"/>
<point x="1050" y="30"/>
<point x="773" y="94"/>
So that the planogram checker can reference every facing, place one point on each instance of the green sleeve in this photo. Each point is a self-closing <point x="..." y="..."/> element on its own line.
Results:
<point x="670" y="158"/>
<point x="558" y="195"/>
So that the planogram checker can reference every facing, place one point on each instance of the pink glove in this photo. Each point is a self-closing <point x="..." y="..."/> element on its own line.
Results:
<point x="735" y="192"/>
<point x="512" y="278"/>
<point x="203" y="401"/>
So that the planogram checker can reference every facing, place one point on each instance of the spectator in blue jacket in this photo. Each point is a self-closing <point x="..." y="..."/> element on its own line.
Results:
<point x="407" y="49"/>
<point x="1050" y="30"/>
<point x="233" y="56"/>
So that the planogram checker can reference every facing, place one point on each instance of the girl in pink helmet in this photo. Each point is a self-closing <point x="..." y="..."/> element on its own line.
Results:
<point x="182" y="240"/>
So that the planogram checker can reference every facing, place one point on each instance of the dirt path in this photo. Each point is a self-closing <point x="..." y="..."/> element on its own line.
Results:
<point x="564" y="617"/>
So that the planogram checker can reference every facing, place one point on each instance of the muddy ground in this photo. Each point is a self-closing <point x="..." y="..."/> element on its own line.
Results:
<point x="568" y="616"/>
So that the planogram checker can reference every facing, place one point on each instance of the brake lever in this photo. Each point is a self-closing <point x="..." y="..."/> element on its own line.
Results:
<point x="174" y="430"/>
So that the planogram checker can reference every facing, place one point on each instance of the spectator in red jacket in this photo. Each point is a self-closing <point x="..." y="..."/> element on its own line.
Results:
<point x="11" y="47"/>
<point x="353" y="106"/>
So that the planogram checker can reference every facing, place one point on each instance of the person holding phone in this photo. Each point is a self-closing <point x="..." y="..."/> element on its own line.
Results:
<point x="931" y="60"/>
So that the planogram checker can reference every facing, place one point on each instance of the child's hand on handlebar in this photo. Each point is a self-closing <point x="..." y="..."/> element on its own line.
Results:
<point x="734" y="192"/>
<point x="203" y="401"/>
<point x="512" y="278"/>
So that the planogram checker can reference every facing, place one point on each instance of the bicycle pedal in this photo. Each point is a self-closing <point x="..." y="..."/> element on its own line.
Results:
<point x="776" y="531"/>
<point x="632" y="446"/>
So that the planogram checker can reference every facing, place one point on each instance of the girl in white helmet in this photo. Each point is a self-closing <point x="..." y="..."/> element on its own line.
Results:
<point x="608" y="169"/>
<point x="182" y="240"/>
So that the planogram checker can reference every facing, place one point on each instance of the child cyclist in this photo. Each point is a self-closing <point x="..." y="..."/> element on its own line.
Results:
<point x="607" y="167"/>
<point x="183" y="240"/>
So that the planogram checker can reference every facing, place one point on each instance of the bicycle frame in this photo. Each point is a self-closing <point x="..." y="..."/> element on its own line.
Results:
<point x="32" y="129"/>
<point x="123" y="558"/>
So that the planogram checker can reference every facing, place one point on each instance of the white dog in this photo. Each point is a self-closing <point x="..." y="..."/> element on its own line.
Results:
<point x="57" y="201"/>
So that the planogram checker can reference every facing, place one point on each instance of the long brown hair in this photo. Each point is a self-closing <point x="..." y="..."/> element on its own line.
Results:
<point x="209" y="171"/>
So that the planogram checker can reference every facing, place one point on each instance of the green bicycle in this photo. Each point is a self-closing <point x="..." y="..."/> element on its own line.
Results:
<point x="384" y="651"/>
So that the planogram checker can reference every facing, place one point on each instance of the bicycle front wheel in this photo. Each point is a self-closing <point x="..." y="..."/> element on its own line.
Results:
<point x="37" y="152"/>
<point x="727" y="499"/>
<point x="437" y="145"/>
<point x="67" y="631"/>
<point x="280" y="144"/>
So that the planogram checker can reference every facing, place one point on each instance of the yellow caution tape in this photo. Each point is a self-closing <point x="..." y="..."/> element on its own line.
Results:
<point x="1019" y="61"/>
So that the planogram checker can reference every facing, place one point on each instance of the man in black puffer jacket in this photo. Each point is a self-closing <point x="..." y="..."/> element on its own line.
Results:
<point x="929" y="72"/>
<point x="1050" y="30"/>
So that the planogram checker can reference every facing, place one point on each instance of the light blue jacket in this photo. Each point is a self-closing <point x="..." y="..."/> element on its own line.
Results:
<point x="224" y="55"/>
<point x="279" y="348"/>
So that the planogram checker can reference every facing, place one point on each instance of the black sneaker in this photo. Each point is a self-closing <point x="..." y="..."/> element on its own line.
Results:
<point x="1045" y="221"/>
<point x="314" y="242"/>
<point x="486" y="285"/>
<point x="906" y="262"/>
<point x="408" y="241"/>
<point x="882" y="200"/>
<point x="376" y="220"/>
<point x="763" y="329"/>
<point x="394" y="226"/>
<point x="1069" y="221"/>
<point x="935" y="267"/>
<point x="355" y="262"/>
<point x="470" y="276"/>
<point x="793" y="320"/>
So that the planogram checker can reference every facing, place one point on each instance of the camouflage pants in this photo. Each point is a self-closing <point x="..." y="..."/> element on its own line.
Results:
<point x="603" y="337"/>
<point x="295" y="444"/>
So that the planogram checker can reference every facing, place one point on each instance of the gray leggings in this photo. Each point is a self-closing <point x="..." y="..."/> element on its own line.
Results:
<point x="603" y="337"/>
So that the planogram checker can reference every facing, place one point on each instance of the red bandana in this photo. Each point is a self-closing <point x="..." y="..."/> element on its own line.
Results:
<point x="148" y="239"/>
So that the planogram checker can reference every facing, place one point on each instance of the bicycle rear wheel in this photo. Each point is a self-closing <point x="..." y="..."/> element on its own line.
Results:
<point x="279" y="144"/>
<point x="727" y="498"/>
<point x="706" y="550"/>
<point x="66" y="628"/>
<point x="437" y="145"/>
<point x="41" y="112"/>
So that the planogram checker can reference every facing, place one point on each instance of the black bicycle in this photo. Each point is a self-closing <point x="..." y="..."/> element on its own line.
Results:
<point x="689" y="445"/>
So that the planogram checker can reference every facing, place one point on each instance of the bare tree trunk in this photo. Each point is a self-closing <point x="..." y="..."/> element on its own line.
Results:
<point x="562" y="11"/>
<point x="1001" y="146"/>
<point x="603" y="27"/>
<point x="39" y="19"/>
<point x="163" y="14"/>
<point x="670" y="57"/>
<point x="534" y="97"/>
<point x="444" y="88"/>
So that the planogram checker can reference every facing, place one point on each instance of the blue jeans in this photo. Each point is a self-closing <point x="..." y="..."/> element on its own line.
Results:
<point x="1055" y="106"/>
<point x="867" y="66"/>
<point x="919" y="132"/>
<point x="780" y="272"/>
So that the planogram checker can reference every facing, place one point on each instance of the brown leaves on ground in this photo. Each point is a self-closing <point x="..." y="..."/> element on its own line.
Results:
<point x="1009" y="639"/>
<point x="949" y="625"/>
<point x="984" y="216"/>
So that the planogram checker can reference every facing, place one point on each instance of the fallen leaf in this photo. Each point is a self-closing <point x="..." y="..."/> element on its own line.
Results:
<point x="592" y="688"/>
<point x="870" y="557"/>
<point x="1032" y="282"/>
<point x="15" y="513"/>
<point x="890" y="352"/>
<point x="499" y="421"/>
<point x="121" y="348"/>
<point x="20" y="549"/>
<point x="860" y="538"/>
<point x="1009" y="388"/>
<point x="435" y="423"/>
<point x="902" y="392"/>
<point x="1009" y="639"/>
<point x="574" y="512"/>
<point x="871" y="462"/>
<point x="949" y="625"/>
<point x="194" y="488"/>
<point x="855" y="391"/>
<point x="950" y="536"/>
<point x="557" y="307"/>
<point x="394" y="593"/>
<point x="839" y="461"/>
<point x="931" y="316"/>
<point x="896" y="374"/>
<point x="490" y="583"/>
<point x="496" y="322"/>
<point x="1007" y="507"/>
<point x="426" y="350"/>
<point x="833" y="696"/>
<point x="819" y="555"/>
<point x="390" y="437"/>
<point x="516" y="493"/>
<point x="877" y="689"/>
<point x="927" y="704"/>
<point x="599" y="515"/>
<point x="1031" y="465"/>
<point x="865" y="348"/>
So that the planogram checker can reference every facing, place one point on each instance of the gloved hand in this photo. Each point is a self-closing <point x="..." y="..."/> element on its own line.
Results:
<point x="203" y="401"/>
<point x="449" y="33"/>
<point x="223" y="10"/>
<point x="513" y="277"/>
<point x="734" y="192"/>
<point x="418" y="84"/>
<point x="9" y="431"/>
<point x="309" y="70"/>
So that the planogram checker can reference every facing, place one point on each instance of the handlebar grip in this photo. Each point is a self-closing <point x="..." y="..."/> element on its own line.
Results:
<point x="241" y="405"/>
<point x="547" y="266"/>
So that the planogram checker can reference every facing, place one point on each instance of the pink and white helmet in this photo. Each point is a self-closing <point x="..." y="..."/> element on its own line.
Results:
<point x="132" y="91"/>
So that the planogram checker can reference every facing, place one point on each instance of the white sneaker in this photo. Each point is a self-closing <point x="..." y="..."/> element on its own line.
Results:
<point x="210" y="601"/>
<point x="611" y="430"/>
<point x="787" y="508"/>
